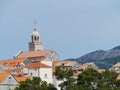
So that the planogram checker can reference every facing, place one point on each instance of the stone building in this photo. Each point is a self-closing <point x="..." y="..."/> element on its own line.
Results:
<point x="36" y="62"/>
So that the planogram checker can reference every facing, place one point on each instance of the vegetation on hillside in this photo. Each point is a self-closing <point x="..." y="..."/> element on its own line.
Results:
<point x="109" y="62"/>
<point x="90" y="79"/>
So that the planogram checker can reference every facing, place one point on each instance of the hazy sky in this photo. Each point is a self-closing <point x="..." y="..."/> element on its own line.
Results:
<point x="71" y="27"/>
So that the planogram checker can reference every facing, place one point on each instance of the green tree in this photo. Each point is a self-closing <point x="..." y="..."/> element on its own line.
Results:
<point x="88" y="76"/>
<point x="100" y="81"/>
<point x="108" y="79"/>
<point x="65" y="75"/>
<point x="89" y="79"/>
<point x="35" y="84"/>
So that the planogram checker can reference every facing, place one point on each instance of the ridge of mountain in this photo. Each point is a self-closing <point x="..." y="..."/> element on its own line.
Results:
<point x="102" y="58"/>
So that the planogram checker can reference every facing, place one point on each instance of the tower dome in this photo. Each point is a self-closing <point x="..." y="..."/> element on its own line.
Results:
<point x="36" y="44"/>
<point x="35" y="33"/>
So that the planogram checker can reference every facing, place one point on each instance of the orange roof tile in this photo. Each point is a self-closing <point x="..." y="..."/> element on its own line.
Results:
<point x="18" y="70"/>
<point x="36" y="65"/>
<point x="55" y="62"/>
<point x="42" y="58"/>
<point x="12" y="62"/>
<point x="4" y="75"/>
<point x="21" y="78"/>
<point x="38" y="53"/>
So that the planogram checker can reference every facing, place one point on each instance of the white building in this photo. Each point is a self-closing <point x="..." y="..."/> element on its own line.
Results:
<point x="38" y="69"/>
<point x="7" y="81"/>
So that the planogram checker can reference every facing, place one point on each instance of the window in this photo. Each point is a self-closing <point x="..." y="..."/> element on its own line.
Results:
<point x="35" y="69"/>
<point x="9" y="78"/>
<point x="32" y="38"/>
<point x="31" y="74"/>
<point x="35" y="38"/>
<point x="45" y="75"/>
<point x="51" y="51"/>
<point x="38" y="38"/>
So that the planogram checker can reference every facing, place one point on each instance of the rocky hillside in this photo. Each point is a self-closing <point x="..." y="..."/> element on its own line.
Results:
<point x="104" y="59"/>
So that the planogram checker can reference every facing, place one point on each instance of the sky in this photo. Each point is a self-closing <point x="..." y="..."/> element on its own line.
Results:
<point x="71" y="27"/>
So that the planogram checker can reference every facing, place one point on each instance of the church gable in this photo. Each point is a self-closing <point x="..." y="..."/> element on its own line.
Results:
<point x="8" y="83"/>
<point x="52" y="55"/>
<point x="9" y="80"/>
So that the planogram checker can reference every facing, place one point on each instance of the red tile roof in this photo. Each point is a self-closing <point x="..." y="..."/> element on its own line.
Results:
<point x="21" y="78"/>
<point x="29" y="54"/>
<point x="4" y="75"/>
<point x="12" y="62"/>
<point x="37" y="65"/>
<point x="18" y="70"/>
<point x="55" y="62"/>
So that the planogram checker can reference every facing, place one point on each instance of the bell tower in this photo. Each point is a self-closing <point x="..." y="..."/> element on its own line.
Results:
<point x="35" y="43"/>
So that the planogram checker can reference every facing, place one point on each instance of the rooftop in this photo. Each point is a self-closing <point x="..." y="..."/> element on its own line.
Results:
<point x="29" y="54"/>
<point x="12" y="62"/>
<point x="37" y="65"/>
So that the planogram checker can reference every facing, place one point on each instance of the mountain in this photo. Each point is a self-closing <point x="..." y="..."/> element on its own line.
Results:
<point x="102" y="58"/>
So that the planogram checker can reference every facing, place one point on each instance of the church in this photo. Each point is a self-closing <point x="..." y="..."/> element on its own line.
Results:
<point x="36" y="50"/>
<point x="36" y="62"/>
